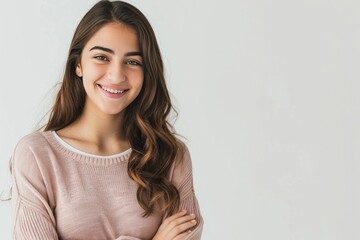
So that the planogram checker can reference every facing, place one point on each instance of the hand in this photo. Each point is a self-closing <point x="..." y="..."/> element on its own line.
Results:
<point x="175" y="227"/>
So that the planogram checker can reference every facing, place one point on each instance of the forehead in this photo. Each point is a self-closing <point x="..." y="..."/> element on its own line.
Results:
<point x="117" y="36"/>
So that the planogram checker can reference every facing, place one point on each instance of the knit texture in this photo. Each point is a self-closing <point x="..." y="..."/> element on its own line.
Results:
<point x="61" y="193"/>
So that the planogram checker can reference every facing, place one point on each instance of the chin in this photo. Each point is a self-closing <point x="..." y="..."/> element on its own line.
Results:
<point x="112" y="111"/>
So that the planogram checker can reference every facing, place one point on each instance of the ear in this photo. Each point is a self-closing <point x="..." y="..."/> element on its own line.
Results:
<point x="79" y="70"/>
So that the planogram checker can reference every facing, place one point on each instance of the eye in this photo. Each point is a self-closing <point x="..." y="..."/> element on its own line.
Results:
<point x="101" y="58"/>
<point x="133" y="62"/>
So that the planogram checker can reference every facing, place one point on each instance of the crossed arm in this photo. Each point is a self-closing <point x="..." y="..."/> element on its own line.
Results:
<point x="33" y="218"/>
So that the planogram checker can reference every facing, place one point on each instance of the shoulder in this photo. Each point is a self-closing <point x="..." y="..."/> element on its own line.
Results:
<point x="182" y="166"/>
<point x="30" y="146"/>
<point x="32" y="168"/>
<point x="183" y="159"/>
<point x="33" y="140"/>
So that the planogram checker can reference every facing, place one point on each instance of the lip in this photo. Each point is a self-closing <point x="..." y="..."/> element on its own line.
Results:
<point x="112" y="87"/>
<point x="112" y="95"/>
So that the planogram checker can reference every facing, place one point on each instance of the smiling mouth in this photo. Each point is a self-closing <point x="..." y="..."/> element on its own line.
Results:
<point x="113" y="91"/>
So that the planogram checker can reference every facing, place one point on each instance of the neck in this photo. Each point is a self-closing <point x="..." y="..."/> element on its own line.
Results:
<point x="100" y="128"/>
<point x="96" y="132"/>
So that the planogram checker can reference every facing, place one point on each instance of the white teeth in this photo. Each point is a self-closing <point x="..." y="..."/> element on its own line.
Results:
<point x="112" y="90"/>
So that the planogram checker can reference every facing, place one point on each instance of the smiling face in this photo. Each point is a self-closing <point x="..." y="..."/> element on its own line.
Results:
<point x="111" y="69"/>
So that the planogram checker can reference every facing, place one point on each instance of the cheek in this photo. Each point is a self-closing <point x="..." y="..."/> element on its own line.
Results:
<point x="140" y="83"/>
<point x="93" y="72"/>
<point x="137" y="79"/>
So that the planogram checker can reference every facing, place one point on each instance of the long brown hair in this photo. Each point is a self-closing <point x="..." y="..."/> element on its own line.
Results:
<point x="152" y="138"/>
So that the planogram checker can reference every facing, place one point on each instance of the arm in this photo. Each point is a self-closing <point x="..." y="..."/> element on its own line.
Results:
<point x="182" y="178"/>
<point x="181" y="225"/>
<point x="32" y="217"/>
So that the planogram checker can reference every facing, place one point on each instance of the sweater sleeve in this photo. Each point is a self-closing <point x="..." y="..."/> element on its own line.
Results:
<point x="32" y="217"/>
<point x="182" y="178"/>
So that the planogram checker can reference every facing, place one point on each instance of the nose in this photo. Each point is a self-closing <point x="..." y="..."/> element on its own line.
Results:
<point x="116" y="73"/>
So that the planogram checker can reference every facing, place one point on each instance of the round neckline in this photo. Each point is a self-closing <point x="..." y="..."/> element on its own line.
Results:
<point x="77" y="154"/>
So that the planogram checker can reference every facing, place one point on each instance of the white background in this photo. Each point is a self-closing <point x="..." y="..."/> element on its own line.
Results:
<point x="268" y="98"/>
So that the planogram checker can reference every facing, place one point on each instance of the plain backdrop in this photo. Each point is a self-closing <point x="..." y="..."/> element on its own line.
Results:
<point x="267" y="94"/>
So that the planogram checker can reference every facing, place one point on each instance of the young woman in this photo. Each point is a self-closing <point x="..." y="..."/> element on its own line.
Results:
<point x="108" y="164"/>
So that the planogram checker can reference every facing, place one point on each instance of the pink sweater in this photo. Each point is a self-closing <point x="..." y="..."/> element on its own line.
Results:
<point x="62" y="193"/>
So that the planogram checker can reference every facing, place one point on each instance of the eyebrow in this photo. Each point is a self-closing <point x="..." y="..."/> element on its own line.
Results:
<point x="112" y="51"/>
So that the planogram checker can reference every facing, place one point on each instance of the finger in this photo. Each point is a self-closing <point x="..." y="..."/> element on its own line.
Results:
<point x="175" y="216"/>
<point x="182" y="228"/>
<point x="177" y="226"/>
<point x="164" y="227"/>
<point x="182" y="235"/>
<point x="168" y="226"/>
<point x="181" y="220"/>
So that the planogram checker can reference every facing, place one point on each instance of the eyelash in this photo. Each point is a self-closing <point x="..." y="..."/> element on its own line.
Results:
<point x="102" y="58"/>
<point x="130" y="62"/>
<point x="133" y="62"/>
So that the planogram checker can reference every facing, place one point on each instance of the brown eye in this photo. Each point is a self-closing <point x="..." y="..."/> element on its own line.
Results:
<point x="102" y="58"/>
<point x="133" y="62"/>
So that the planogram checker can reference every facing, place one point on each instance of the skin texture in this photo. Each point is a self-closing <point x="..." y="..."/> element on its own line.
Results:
<point x="98" y="130"/>
<point x="115" y="70"/>
<point x="175" y="227"/>
<point x="99" y="127"/>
